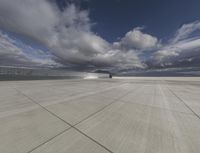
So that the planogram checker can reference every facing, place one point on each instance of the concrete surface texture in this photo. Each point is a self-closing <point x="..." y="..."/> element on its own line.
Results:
<point x="120" y="115"/>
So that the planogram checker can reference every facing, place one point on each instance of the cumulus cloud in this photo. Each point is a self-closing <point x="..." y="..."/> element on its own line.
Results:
<point x="35" y="19"/>
<point x="66" y="33"/>
<point x="181" y="50"/>
<point x="12" y="55"/>
<point x="184" y="52"/>
<point x="136" y="39"/>
<point x="121" y="59"/>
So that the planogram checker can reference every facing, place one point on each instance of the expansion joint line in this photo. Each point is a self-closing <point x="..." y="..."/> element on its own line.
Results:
<point x="181" y="100"/>
<point x="114" y="101"/>
<point x="71" y="126"/>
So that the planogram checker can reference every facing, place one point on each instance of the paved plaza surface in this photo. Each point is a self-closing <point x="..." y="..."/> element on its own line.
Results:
<point x="120" y="115"/>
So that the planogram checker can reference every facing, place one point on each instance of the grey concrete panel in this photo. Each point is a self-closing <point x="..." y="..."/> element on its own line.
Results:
<point x="76" y="110"/>
<point x="142" y="115"/>
<point x="22" y="132"/>
<point x="53" y="92"/>
<point x="129" y="127"/>
<point x="157" y="96"/>
<point x="23" y="124"/>
<point x="70" y="142"/>
<point x="12" y="102"/>
<point x="189" y="96"/>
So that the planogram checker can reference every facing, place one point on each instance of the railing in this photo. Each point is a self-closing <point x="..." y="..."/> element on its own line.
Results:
<point x="9" y="72"/>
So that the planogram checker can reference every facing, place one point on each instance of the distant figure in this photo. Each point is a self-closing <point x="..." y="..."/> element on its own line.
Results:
<point x="110" y="76"/>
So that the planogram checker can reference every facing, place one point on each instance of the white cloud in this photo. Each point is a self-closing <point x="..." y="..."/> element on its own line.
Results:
<point x="66" y="33"/>
<point x="33" y="18"/>
<point x="120" y="59"/>
<point x="69" y="37"/>
<point x="185" y="53"/>
<point x="185" y="31"/>
<point x="136" y="39"/>
<point x="11" y="55"/>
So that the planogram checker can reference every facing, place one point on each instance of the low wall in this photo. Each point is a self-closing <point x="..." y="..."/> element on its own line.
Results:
<point x="22" y="73"/>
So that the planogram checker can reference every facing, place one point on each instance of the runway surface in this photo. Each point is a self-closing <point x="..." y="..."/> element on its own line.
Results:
<point x="120" y="115"/>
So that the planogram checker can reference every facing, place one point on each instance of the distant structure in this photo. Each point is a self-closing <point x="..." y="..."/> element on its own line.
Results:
<point x="24" y="73"/>
<point x="104" y="72"/>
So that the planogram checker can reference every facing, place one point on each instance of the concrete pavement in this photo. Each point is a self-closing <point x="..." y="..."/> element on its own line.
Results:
<point x="120" y="115"/>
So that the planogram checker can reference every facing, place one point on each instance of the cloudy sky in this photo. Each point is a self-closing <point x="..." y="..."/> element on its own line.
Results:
<point x="112" y="35"/>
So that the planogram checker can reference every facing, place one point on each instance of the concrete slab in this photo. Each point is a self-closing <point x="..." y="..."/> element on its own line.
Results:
<point x="23" y="124"/>
<point x="188" y="96"/>
<point x="70" y="142"/>
<point x="128" y="127"/>
<point x="143" y="115"/>
<point x="157" y="96"/>
<point x="120" y="91"/>
<point x="54" y="92"/>
<point x="24" y="131"/>
<point x="148" y="94"/>
<point x="12" y="102"/>
<point x="76" y="110"/>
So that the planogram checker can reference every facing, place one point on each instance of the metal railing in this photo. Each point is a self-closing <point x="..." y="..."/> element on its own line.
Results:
<point x="10" y="72"/>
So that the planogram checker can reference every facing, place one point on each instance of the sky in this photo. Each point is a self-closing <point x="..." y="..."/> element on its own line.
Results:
<point x="113" y="35"/>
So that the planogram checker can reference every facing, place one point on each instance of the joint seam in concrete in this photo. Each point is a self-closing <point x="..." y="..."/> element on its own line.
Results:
<point x="114" y="101"/>
<point x="49" y="140"/>
<point x="73" y="126"/>
<point x="181" y="100"/>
